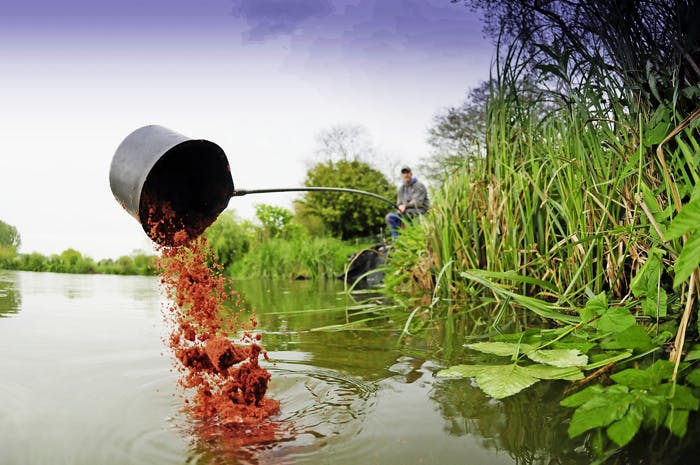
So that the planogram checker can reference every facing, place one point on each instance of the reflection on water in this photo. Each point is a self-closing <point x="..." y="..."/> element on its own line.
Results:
<point x="88" y="382"/>
<point x="10" y="299"/>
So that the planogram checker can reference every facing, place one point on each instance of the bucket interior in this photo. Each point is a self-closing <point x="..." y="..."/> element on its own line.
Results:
<point x="187" y="188"/>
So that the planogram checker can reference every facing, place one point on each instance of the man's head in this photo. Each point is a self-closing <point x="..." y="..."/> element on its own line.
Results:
<point x="406" y="174"/>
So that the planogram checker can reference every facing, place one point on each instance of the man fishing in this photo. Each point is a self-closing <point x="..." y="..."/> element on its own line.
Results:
<point x="412" y="200"/>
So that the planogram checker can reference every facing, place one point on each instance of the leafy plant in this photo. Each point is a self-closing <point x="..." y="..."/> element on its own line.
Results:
<point x="639" y="398"/>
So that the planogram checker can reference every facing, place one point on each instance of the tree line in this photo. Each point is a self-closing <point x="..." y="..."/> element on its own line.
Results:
<point x="312" y="241"/>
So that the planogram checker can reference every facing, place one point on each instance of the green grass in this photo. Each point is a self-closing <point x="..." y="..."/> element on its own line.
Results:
<point x="307" y="257"/>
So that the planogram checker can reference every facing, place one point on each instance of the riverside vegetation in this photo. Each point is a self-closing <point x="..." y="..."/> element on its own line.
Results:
<point x="568" y="230"/>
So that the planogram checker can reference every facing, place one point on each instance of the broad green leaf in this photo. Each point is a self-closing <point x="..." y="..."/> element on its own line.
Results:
<point x="634" y="378"/>
<point x="655" y="410"/>
<point x="656" y="134"/>
<point x="658" y="127"/>
<point x="677" y="422"/>
<point x="498" y="381"/>
<point x="646" y="281"/>
<point x="503" y="349"/>
<point x="646" y="285"/>
<point x="661" y="370"/>
<point x="694" y="377"/>
<point x="678" y="396"/>
<point x="687" y="220"/>
<point x="655" y="306"/>
<point x="688" y="260"/>
<point x="693" y="353"/>
<point x="603" y="360"/>
<point x="615" y="320"/>
<point x="504" y="380"/>
<point x="558" y="357"/>
<point x="460" y="371"/>
<point x="582" y="347"/>
<point x="553" y="372"/>
<point x="598" y="412"/>
<point x="594" y="307"/>
<point x="583" y="396"/>
<point x="623" y="430"/>
<point x="633" y="338"/>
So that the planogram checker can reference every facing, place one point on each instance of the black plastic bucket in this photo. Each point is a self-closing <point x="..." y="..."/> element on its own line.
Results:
<point x="170" y="183"/>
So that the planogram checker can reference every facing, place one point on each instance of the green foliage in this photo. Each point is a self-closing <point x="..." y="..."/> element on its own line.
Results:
<point x="500" y="381"/>
<point x="276" y="222"/>
<point x="138" y="263"/>
<point x="639" y="398"/>
<point x="686" y="222"/>
<point x="9" y="237"/>
<point x="300" y="257"/>
<point x="229" y="238"/>
<point x="347" y="215"/>
<point x="646" y="285"/>
<point x="8" y="256"/>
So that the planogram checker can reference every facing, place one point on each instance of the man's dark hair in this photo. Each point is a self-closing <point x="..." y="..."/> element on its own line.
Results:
<point x="405" y="169"/>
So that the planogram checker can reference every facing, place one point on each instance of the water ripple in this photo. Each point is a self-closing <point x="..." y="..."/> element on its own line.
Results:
<point x="318" y="408"/>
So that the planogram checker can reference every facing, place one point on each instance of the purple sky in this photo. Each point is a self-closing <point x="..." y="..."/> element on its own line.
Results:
<point x="259" y="77"/>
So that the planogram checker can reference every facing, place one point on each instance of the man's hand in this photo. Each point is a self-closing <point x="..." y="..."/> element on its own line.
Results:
<point x="402" y="208"/>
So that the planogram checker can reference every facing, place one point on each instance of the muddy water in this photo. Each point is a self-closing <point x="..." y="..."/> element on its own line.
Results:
<point x="85" y="379"/>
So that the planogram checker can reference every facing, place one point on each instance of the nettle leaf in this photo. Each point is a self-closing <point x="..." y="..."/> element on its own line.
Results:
<point x="658" y="127"/>
<point x="623" y="430"/>
<point x="583" y="396"/>
<point x="558" y="357"/>
<point x="655" y="410"/>
<point x="677" y="422"/>
<point x="582" y="347"/>
<point x="594" y="307"/>
<point x="634" y="378"/>
<point x="615" y="320"/>
<point x="646" y="281"/>
<point x="686" y="220"/>
<point x="693" y="353"/>
<point x="694" y="377"/>
<point x="688" y="260"/>
<point x="633" y="338"/>
<point x="677" y="396"/>
<point x="646" y="285"/>
<point x="661" y="370"/>
<point x="599" y="411"/>
<point x="655" y="306"/>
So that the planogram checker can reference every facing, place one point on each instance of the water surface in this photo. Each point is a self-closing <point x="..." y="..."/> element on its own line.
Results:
<point x="86" y="379"/>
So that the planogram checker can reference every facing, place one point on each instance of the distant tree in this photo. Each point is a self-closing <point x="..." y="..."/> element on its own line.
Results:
<point x="344" y="143"/>
<point x="9" y="237"/>
<point x="347" y="215"/>
<point x="275" y="221"/>
<point x="457" y="134"/>
<point x="348" y="142"/>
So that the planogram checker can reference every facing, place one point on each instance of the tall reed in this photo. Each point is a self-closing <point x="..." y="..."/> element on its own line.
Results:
<point x="556" y="198"/>
<point x="300" y="257"/>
